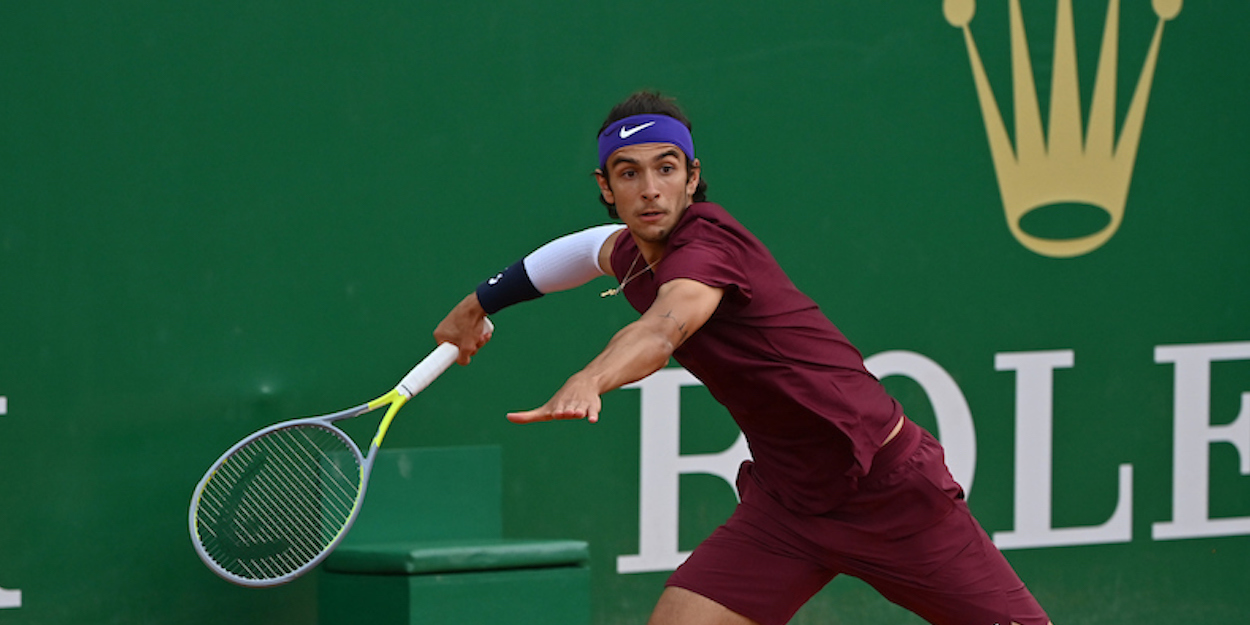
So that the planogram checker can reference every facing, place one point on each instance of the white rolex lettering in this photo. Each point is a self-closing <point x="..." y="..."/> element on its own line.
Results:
<point x="1193" y="436"/>
<point x="1034" y="457"/>
<point x="661" y="462"/>
<point x="662" y="465"/>
<point x="8" y="598"/>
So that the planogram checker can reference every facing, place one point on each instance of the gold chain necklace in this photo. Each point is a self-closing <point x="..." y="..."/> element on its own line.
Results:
<point x="629" y="275"/>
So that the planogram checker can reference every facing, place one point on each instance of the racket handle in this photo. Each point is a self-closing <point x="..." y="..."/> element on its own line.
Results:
<point x="432" y="366"/>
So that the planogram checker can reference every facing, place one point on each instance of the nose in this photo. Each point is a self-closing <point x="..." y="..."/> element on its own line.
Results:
<point x="650" y="186"/>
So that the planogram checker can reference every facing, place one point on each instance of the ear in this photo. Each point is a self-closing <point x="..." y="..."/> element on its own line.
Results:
<point x="692" y="182"/>
<point x="604" y="187"/>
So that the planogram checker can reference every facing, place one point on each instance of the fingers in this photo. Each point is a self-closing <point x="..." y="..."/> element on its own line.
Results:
<point x="470" y="346"/>
<point x="483" y="337"/>
<point x="547" y="414"/>
<point x="465" y="326"/>
<point x="577" y="399"/>
<point x="530" y="416"/>
<point x="469" y="341"/>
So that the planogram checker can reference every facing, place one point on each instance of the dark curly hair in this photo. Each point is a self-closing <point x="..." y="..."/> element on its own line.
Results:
<point x="641" y="103"/>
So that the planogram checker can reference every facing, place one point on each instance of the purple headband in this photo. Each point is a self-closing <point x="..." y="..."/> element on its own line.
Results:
<point x="647" y="128"/>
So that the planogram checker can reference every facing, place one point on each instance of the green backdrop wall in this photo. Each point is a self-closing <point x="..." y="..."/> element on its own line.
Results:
<point x="216" y="215"/>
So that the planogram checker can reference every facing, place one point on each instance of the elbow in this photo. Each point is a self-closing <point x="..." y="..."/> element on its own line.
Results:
<point x="663" y="346"/>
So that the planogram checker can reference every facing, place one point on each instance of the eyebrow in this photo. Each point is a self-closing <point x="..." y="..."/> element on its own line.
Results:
<point x="632" y="161"/>
<point x="622" y="159"/>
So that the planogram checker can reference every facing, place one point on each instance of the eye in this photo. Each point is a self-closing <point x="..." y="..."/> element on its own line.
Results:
<point x="667" y="168"/>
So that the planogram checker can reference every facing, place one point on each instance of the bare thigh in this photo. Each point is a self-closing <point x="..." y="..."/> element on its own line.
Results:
<point x="678" y="606"/>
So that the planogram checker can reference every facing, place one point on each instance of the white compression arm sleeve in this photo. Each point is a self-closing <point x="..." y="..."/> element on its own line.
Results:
<point x="569" y="261"/>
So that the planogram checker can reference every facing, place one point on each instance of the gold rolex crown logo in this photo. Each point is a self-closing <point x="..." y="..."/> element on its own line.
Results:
<point x="1066" y="167"/>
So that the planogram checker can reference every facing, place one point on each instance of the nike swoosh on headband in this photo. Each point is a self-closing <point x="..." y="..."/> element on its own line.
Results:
<point x="629" y="132"/>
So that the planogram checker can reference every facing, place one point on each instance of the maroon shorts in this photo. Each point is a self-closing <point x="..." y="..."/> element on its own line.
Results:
<point x="907" y="532"/>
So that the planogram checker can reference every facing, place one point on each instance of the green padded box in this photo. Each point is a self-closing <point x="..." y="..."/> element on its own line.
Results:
<point x="428" y="548"/>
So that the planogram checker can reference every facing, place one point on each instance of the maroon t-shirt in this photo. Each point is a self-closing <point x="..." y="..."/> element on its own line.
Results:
<point x="812" y="414"/>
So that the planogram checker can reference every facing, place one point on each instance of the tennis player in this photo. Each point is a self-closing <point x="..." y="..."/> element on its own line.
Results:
<point x="841" y="482"/>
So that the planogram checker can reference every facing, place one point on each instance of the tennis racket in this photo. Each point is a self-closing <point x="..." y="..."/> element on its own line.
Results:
<point x="279" y="501"/>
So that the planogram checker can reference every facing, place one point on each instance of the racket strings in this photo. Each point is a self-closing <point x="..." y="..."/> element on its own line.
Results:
<point x="278" y="502"/>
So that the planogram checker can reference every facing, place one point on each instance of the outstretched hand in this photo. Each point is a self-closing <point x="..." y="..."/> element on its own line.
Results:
<point x="577" y="399"/>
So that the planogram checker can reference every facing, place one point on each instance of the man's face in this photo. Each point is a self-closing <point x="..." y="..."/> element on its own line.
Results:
<point x="649" y="185"/>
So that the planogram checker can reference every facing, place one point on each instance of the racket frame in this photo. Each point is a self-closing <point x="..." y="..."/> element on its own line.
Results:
<point x="414" y="382"/>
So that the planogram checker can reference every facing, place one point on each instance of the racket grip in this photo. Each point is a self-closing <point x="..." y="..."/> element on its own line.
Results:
<point x="432" y="366"/>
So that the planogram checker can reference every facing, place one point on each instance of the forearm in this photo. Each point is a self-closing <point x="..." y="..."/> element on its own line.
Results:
<point x="635" y="352"/>
<point x="639" y="349"/>
<point x="565" y="263"/>
<point x="643" y="347"/>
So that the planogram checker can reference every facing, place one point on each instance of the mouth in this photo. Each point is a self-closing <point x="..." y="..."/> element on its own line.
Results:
<point x="650" y="216"/>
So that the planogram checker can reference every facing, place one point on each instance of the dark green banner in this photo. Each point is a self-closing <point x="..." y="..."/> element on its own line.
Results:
<point x="1031" y="217"/>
